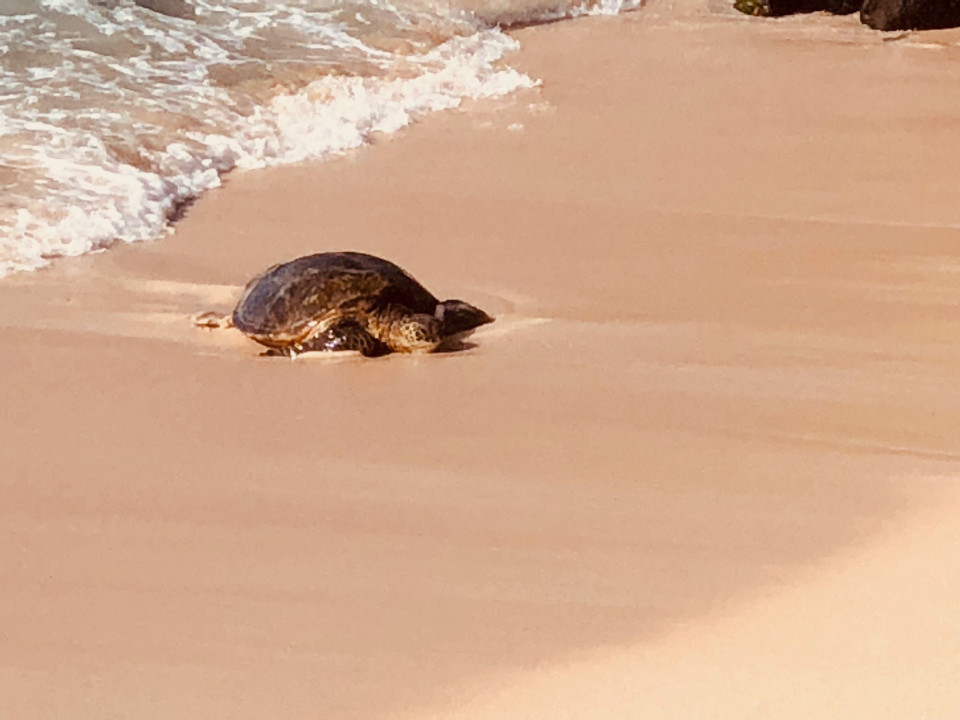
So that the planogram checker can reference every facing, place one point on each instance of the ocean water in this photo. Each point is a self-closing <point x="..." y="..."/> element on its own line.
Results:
<point x="115" y="113"/>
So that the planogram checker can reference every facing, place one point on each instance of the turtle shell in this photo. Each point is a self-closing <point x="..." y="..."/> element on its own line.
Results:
<point x="287" y="302"/>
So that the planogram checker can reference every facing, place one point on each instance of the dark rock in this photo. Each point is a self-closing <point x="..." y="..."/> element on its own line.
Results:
<point x="910" y="14"/>
<point x="173" y="8"/>
<point x="776" y="8"/>
<point x="844" y="7"/>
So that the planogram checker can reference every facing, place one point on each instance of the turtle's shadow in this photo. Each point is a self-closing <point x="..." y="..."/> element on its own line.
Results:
<point x="454" y="346"/>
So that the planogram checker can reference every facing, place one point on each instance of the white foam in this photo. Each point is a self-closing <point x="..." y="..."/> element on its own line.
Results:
<point x="336" y="113"/>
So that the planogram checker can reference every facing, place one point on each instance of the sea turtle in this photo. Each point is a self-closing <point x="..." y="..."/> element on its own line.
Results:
<point x="345" y="301"/>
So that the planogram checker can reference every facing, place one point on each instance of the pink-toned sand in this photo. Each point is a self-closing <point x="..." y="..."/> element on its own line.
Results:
<point x="704" y="465"/>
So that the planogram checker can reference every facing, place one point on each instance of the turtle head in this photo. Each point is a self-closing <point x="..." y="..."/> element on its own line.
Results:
<point x="458" y="317"/>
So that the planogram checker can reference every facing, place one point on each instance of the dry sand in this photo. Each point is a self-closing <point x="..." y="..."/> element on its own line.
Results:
<point x="703" y="466"/>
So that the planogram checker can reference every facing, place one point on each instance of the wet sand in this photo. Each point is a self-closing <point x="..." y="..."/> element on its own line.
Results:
<point x="703" y="465"/>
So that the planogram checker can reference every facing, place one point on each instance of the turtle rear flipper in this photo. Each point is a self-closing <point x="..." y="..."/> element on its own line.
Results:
<point x="212" y="320"/>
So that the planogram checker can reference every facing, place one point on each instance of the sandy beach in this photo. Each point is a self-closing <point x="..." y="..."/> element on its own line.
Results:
<point x="704" y="465"/>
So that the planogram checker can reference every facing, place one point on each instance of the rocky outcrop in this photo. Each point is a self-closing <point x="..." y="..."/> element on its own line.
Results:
<point x="878" y="14"/>
<point x="910" y="14"/>
<point x="776" y="8"/>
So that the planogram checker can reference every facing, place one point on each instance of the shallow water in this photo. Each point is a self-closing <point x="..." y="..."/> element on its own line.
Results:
<point x="113" y="113"/>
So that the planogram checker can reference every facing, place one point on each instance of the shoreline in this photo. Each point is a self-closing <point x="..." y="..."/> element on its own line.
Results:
<point x="704" y="461"/>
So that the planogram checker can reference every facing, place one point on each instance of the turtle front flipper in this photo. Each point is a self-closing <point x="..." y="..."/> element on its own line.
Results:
<point x="347" y="336"/>
<point x="404" y="331"/>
